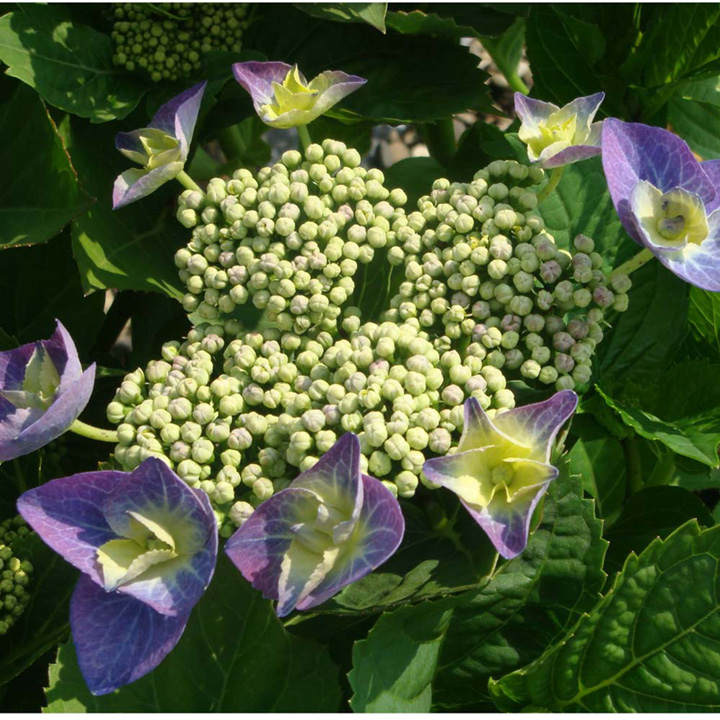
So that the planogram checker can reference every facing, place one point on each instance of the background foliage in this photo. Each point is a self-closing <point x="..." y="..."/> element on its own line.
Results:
<point x="613" y="606"/>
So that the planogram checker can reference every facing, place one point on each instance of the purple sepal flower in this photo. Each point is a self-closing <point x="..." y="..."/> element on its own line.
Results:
<point x="161" y="148"/>
<point x="118" y="639"/>
<point x="283" y="98"/>
<point x="667" y="200"/>
<point x="501" y="469"/>
<point x="43" y="389"/>
<point x="559" y="136"/>
<point x="332" y="526"/>
<point x="147" y="545"/>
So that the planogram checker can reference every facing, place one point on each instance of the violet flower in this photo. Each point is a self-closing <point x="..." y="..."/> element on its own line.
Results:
<point x="161" y="148"/>
<point x="330" y="527"/>
<point x="43" y="389"/>
<point x="559" y="136"/>
<point x="146" y="544"/>
<point x="283" y="98"/>
<point x="667" y="200"/>
<point x="501" y="469"/>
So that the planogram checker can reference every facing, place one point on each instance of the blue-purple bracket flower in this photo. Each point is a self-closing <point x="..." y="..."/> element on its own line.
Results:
<point x="667" y="200"/>
<point x="330" y="527"/>
<point x="283" y="98"/>
<point x="43" y="389"/>
<point x="558" y="136"/>
<point x="502" y="467"/>
<point x="161" y="148"/>
<point x="146" y="544"/>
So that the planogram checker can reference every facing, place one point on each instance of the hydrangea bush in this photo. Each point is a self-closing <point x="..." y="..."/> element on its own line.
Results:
<point x="446" y="425"/>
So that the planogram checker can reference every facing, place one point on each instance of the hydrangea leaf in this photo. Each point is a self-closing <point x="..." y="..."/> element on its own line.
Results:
<point x="645" y="647"/>
<point x="249" y="664"/>
<point x="43" y="194"/>
<point x="69" y="65"/>
<point x="393" y="668"/>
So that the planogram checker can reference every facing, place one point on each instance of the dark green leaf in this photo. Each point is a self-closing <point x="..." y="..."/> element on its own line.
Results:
<point x="39" y="193"/>
<point x="394" y="667"/>
<point x="69" y="65"/>
<point x="582" y="204"/>
<point x="480" y="144"/>
<point x="507" y="51"/>
<point x="415" y="176"/>
<point x="704" y="315"/>
<point x="370" y="13"/>
<point x="652" y="512"/>
<point x="689" y="432"/>
<point x="44" y="622"/>
<point x="234" y="656"/>
<point x="531" y="600"/>
<point x="698" y="123"/>
<point x="645" y="338"/>
<point x="599" y="460"/>
<point x="649" y="644"/>
<point x="411" y="78"/>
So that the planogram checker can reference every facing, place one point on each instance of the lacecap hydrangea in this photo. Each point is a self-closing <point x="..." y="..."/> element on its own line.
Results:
<point x="289" y="245"/>
<point x="241" y="419"/>
<point x="482" y="268"/>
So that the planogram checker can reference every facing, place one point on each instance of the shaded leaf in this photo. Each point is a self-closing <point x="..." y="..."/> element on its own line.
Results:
<point x="697" y="123"/>
<point x="370" y="13"/>
<point x="69" y="65"/>
<point x="234" y="656"/>
<point x="652" y="512"/>
<point x="704" y="315"/>
<point x="415" y="175"/>
<point x="39" y="193"/>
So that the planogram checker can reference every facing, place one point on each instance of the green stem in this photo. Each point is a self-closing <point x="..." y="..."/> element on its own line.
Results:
<point x="633" y="263"/>
<point x="185" y="180"/>
<point x="304" y="135"/>
<point x="552" y="183"/>
<point x="516" y="83"/>
<point x="92" y="432"/>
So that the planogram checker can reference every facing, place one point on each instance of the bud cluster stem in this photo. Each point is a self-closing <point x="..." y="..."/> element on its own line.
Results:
<point x="94" y="433"/>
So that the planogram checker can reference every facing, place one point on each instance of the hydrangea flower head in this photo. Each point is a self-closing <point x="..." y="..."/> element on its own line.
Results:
<point x="502" y="467"/>
<point x="283" y="98"/>
<point x="558" y="136"/>
<point x="330" y="527"/>
<point x="161" y="148"/>
<point x="43" y="389"/>
<point x="146" y="544"/>
<point x="667" y="200"/>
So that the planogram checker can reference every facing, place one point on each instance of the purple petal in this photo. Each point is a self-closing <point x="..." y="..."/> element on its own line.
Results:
<point x="128" y="143"/>
<point x="538" y="424"/>
<point x="698" y="265"/>
<point x="712" y="169"/>
<point x="257" y="78"/>
<point x="22" y="432"/>
<point x="179" y="115"/>
<point x="137" y="183"/>
<point x="257" y="549"/>
<point x="335" y="477"/>
<point x="117" y="638"/>
<point x="67" y="514"/>
<point x="570" y="155"/>
<point x="154" y="491"/>
<point x="508" y="526"/>
<point x="379" y="532"/>
<point x="585" y="107"/>
<point x="530" y="110"/>
<point x="632" y="152"/>
<point x="340" y="85"/>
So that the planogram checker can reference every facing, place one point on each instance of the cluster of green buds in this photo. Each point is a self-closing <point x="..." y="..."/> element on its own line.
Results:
<point x="240" y="420"/>
<point x="284" y="247"/>
<point x="486" y="271"/>
<point x="167" y="42"/>
<point x="14" y="573"/>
